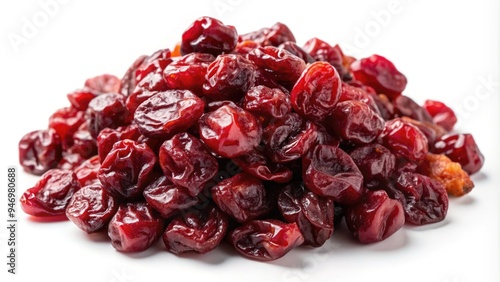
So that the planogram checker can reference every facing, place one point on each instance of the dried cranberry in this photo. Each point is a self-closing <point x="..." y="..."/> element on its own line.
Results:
<point x="91" y="208"/>
<point x="40" y="151"/>
<point x="350" y="92"/>
<point x="406" y="107"/>
<point x="105" y="83"/>
<point x="257" y="164"/>
<point x="404" y="140"/>
<point x="155" y="63"/>
<point x="106" y="110"/>
<point x="128" y="82"/>
<point x="168" y="113"/>
<point x="275" y="35"/>
<point x="330" y="172"/>
<point x="385" y="107"/>
<point x="51" y="194"/>
<point x="268" y="102"/>
<point x="196" y="231"/>
<point x="66" y="122"/>
<point x="86" y="172"/>
<point x="108" y="137"/>
<point x="312" y="213"/>
<point x="127" y="168"/>
<point x="187" y="162"/>
<point x="324" y="52"/>
<point x="83" y="143"/>
<point x="70" y="161"/>
<point x="375" y="217"/>
<point x="266" y="240"/>
<point x="134" y="227"/>
<point x="316" y="92"/>
<point x="441" y="114"/>
<point x="188" y="72"/>
<point x="431" y="130"/>
<point x="80" y="99"/>
<point x="375" y="162"/>
<point x="209" y="35"/>
<point x="461" y="148"/>
<point x="298" y="51"/>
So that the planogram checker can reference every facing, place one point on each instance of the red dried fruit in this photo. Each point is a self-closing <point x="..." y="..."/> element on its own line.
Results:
<point x="405" y="107"/>
<point x="349" y="92"/>
<point x="108" y="137"/>
<point x="86" y="172"/>
<point x="40" y="151"/>
<point x="209" y="35"/>
<point x="106" y="110"/>
<point x="70" y="162"/>
<point x="188" y="72"/>
<point x="324" y="52"/>
<point x="83" y="143"/>
<point x="461" y="148"/>
<point x="375" y="162"/>
<point x="81" y="98"/>
<point x="275" y="35"/>
<point x="441" y="114"/>
<point x="267" y="102"/>
<point x="105" y="83"/>
<point x="66" y="122"/>
<point x="298" y="51"/>
<point x="257" y="164"/>
<point x="128" y="82"/>
<point x="404" y="140"/>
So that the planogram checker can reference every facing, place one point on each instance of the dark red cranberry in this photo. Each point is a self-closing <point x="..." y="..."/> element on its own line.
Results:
<point x="324" y="52"/>
<point x="258" y="164"/>
<point x="441" y="114"/>
<point x="404" y="140"/>
<point x="108" y="137"/>
<point x="385" y="106"/>
<point x="275" y="35"/>
<point x="86" y="172"/>
<point x="266" y="240"/>
<point x="91" y="208"/>
<point x="461" y="148"/>
<point x="106" y="110"/>
<point x="330" y="172"/>
<point x="51" y="194"/>
<point x="406" y="107"/>
<point x="431" y="130"/>
<point x="268" y="102"/>
<point x="375" y="217"/>
<point x="40" y="151"/>
<point x="83" y="143"/>
<point x="312" y="213"/>
<point x="350" y="92"/>
<point x="81" y="98"/>
<point x="105" y="83"/>
<point x="66" y="122"/>
<point x="375" y="162"/>
<point x="128" y="82"/>
<point x="298" y="51"/>
<point x="134" y="227"/>
<point x="209" y="35"/>
<point x="70" y="161"/>
<point x="153" y="64"/>
<point x="188" y="72"/>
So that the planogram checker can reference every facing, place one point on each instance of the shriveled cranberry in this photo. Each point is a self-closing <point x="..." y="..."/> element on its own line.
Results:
<point x="243" y="197"/>
<point x="134" y="227"/>
<point x="39" y="151"/>
<point x="404" y="140"/>
<point x="375" y="217"/>
<point x="106" y="110"/>
<point x="244" y="47"/>
<point x="83" y="143"/>
<point x="349" y="92"/>
<point x="105" y="83"/>
<point x="155" y="63"/>
<point x="316" y="92"/>
<point x="354" y="121"/>
<point x="229" y="77"/>
<point x="312" y="213"/>
<point x="197" y="231"/>
<point x="324" y="52"/>
<point x="325" y="137"/>
<point x="86" y="172"/>
<point x="167" y="198"/>
<point x="385" y="107"/>
<point x="51" y="194"/>
<point x="441" y="114"/>
<point x="375" y="162"/>
<point x="381" y="74"/>
<point x="278" y="64"/>
<point x="289" y="138"/>
<point x="108" y="137"/>
<point x="406" y="107"/>
<point x="188" y="72"/>
<point x="91" y="208"/>
<point x="431" y="130"/>
<point x="128" y="82"/>
<point x="424" y="199"/>
<point x="66" y="122"/>
<point x="330" y="172"/>
<point x="298" y="51"/>
<point x="275" y="35"/>
<point x="268" y="102"/>
<point x="257" y="164"/>
<point x="81" y="98"/>
<point x="127" y="168"/>
<point x="230" y="131"/>
<point x="461" y="148"/>
<point x="168" y="113"/>
<point x="266" y="240"/>
<point x="209" y="35"/>
<point x="187" y="162"/>
<point x="70" y="161"/>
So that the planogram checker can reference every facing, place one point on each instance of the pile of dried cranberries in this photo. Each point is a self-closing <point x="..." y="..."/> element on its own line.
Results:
<point x="251" y="139"/>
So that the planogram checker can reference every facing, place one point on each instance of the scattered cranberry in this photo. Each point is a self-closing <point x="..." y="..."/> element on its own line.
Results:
<point x="461" y="148"/>
<point x="40" y="151"/>
<point x="441" y="114"/>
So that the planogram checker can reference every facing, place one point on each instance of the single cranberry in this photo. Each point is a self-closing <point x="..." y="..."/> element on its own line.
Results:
<point x="86" y="172"/>
<point x="405" y="107"/>
<point x="106" y="110"/>
<point x="188" y="72"/>
<point x="298" y="51"/>
<point x="209" y="35"/>
<point x="275" y="35"/>
<point x="461" y="148"/>
<point x="155" y="63"/>
<point x="268" y="102"/>
<point x="431" y="130"/>
<point x="441" y="114"/>
<point x="105" y="83"/>
<point x="40" y="151"/>
<point x="375" y="162"/>
<point x="108" y="137"/>
<point x="324" y="52"/>
<point x="80" y="99"/>
<point x="259" y="165"/>
<point x="66" y="122"/>
<point x="404" y="140"/>
<point x="83" y="143"/>
<point x="350" y="92"/>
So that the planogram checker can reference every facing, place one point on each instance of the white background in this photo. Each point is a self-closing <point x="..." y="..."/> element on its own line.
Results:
<point x="448" y="50"/>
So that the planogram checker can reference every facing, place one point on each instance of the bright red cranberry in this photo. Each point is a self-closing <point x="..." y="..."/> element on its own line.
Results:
<point x="404" y="140"/>
<point x="441" y="114"/>
<point x="267" y="102"/>
<point x="106" y="110"/>
<point x="330" y="172"/>
<point x="406" y="107"/>
<point x="381" y="74"/>
<point x="230" y="131"/>
<point x="375" y="217"/>
<point x="105" y="83"/>
<point x="153" y="64"/>
<point x="91" y="208"/>
<point x="51" y="194"/>
<point x="316" y="92"/>
<point x="66" y="122"/>
<point x="375" y="162"/>
<point x="108" y="137"/>
<point x="128" y="82"/>
<point x="266" y="240"/>
<point x="70" y="161"/>
<point x="209" y="35"/>
<point x="258" y="164"/>
<point x="134" y="227"/>
<point x="431" y="130"/>
<point x="86" y="172"/>
<point x="312" y="213"/>
<point x="324" y="52"/>
<point x="350" y="92"/>
<point x="298" y="51"/>
<point x="188" y="72"/>
<point x="187" y="162"/>
<point x="461" y="148"/>
<point x="40" y="151"/>
<point x="81" y="98"/>
<point x="197" y="231"/>
<point x="277" y="34"/>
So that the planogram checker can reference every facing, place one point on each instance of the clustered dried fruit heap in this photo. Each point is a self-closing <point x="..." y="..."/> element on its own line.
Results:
<point x="251" y="138"/>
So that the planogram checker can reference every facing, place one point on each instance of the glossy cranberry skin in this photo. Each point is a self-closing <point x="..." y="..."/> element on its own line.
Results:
<point x="81" y="98"/>
<point x="129" y="82"/>
<point x="186" y="162"/>
<point x="66" y="122"/>
<point x="404" y="140"/>
<point x="40" y="151"/>
<point x="70" y="161"/>
<point x="127" y="169"/>
<point x="275" y="35"/>
<point x="354" y="121"/>
<point x="375" y="162"/>
<point x="385" y="106"/>
<point x="197" y="231"/>
<point x="134" y="227"/>
<point x="375" y="217"/>
<point x="424" y="199"/>
<point x="266" y="240"/>
<point x="316" y="92"/>
<point x="298" y="51"/>
<point x="312" y="213"/>
<point x="230" y="131"/>
<point x="461" y="148"/>
<point x="83" y="143"/>
<point x="105" y="83"/>
<point x="330" y="172"/>
<point x="381" y="74"/>
<point x="51" y="194"/>
<point x="106" y="110"/>
<point x="256" y="163"/>
<point x="405" y="107"/>
<point x="349" y="92"/>
<point x="167" y="198"/>
<point x="86" y="172"/>
<point x="168" y="113"/>
<point x="108" y="137"/>
<point x="268" y="102"/>
<point x="229" y="77"/>
<point x="153" y="64"/>
<point x="324" y="52"/>
<point x="441" y="114"/>
<point x="209" y="35"/>
<point x="243" y="197"/>
<point x="91" y="208"/>
<point x="188" y="72"/>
